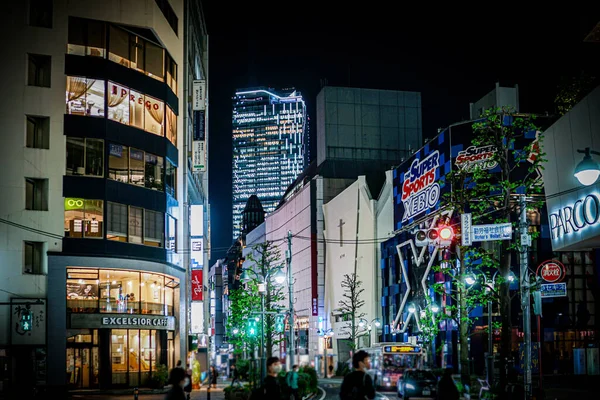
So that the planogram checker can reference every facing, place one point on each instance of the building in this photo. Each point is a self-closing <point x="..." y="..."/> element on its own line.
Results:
<point x="94" y="225"/>
<point x="571" y="324"/>
<point x="351" y="125"/>
<point x="269" y="131"/>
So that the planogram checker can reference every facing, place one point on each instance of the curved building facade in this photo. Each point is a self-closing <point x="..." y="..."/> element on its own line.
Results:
<point x="95" y="217"/>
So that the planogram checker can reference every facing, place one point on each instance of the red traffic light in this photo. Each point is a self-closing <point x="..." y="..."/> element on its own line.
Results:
<point x="446" y="233"/>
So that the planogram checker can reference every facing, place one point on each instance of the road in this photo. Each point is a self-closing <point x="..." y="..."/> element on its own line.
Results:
<point x="332" y="390"/>
<point x="216" y="394"/>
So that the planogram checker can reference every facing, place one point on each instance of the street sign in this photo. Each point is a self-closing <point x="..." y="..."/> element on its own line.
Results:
<point x="551" y="271"/>
<point x="489" y="232"/>
<point x="553" y="289"/>
<point x="466" y="233"/>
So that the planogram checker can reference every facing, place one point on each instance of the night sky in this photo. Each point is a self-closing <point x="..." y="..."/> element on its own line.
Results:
<point x="452" y="61"/>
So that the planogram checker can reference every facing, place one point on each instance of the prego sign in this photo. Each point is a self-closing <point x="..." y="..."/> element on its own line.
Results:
<point x="551" y="271"/>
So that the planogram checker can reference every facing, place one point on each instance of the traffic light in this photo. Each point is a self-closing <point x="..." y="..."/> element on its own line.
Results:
<point x="252" y="327"/>
<point x="441" y="236"/>
<point x="25" y="321"/>
<point x="279" y="324"/>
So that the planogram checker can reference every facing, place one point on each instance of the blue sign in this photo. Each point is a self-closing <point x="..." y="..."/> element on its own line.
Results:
<point x="553" y="289"/>
<point x="484" y="233"/>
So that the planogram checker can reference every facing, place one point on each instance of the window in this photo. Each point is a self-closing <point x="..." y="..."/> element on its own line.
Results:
<point x="154" y="115"/>
<point x="136" y="52"/>
<point x="32" y="260"/>
<point x="85" y="157"/>
<point x="136" y="167"/>
<point x="84" y="218"/>
<point x="154" y="228"/>
<point x="118" y="46"/>
<point x="40" y="13"/>
<point x="154" y="172"/>
<point x="118" y="163"/>
<point x="38" y="70"/>
<point x="136" y="109"/>
<point x="170" y="179"/>
<point x="155" y="62"/>
<point x="135" y="224"/>
<point x="172" y="74"/>
<point x="169" y="14"/>
<point x="38" y="132"/>
<point x="118" y="103"/>
<point x="86" y="37"/>
<point x="171" y="126"/>
<point x="36" y="194"/>
<point x="116" y="228"/>
<point x="85" y="96"/>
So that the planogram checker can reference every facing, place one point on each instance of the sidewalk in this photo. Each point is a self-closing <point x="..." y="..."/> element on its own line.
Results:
<point x="201" y="394"/>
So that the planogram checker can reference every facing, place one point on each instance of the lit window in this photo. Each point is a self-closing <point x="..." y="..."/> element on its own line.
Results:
<point x="118" y="103"/>
<point x="84" y="218"/>
<point x="85" y="96"/>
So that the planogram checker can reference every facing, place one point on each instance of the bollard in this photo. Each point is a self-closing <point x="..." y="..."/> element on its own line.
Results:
<point x="135" y="393"/>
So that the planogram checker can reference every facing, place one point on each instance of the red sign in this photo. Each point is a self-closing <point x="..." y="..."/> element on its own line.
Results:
<point x="197" y="285"/>
<point x="551" y="271"/>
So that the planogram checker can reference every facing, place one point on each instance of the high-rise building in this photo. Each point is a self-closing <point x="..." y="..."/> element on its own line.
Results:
<point x="94" y="231"/>
<point x="268" y="146"/>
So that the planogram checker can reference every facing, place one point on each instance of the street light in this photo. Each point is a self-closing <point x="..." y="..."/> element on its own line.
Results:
<point x="588" y="170"/>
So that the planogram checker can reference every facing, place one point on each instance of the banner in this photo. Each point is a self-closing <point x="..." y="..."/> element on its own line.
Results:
<point x="197" y="317"/>
<point x="199" y="95"/>
<point x="196" y="286"/>
<point x="197" y="255"/>
<point x="199" y="142"/>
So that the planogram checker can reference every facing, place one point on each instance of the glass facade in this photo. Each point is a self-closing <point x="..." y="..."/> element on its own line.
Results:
<point x="268" y="147"/>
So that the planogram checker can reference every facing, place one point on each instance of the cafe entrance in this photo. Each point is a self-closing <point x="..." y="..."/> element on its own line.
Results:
<point x="83" y="363"/>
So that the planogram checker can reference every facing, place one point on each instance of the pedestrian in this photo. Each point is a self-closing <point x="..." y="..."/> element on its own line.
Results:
<point x="331" y="370"/>
<point x="188" y="382"/>
<point x="178" y="365"/>
<point x="358" y="384"/>
<point x="177" y="382"/>
<point x="292" y="381"/>
<point x="213" y="376"/>
<point x="234" y="375"/>
<point x="446" y="388"/>
<point x="272" y="390"/>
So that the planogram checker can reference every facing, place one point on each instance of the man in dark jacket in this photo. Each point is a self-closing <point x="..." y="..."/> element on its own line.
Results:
<point x="177" y="381"/>
<point x="358" y="384"/>
<point x="446" y="389"/>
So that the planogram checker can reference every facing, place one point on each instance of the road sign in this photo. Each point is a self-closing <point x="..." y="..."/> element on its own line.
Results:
<point x="489" y="232"/>
<point x="553" y="289"/>
<point x="551" y="271"/>
<point x="466" y="231"/>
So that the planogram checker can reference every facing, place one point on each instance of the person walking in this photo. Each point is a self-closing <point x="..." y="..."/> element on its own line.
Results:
<point x="213" y="376"/>
<point x="292" y="381"/>
<point x="234" y="374"/>
<point x="177" y="381"/>
<point x="188" y="383"/>
<point x="358" y="384"/>
<point x="272" y="390"/>
<point x="446" y="388"/>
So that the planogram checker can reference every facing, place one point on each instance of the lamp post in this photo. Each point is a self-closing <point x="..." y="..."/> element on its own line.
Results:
<point x="588" y="170"/>
<point x="362" y="323"/>
<point x="292" y="342"/>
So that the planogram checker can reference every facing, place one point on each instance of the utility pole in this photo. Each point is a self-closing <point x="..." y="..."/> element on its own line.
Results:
<point x="292" y="342"/>
<point x="525" y="294"/>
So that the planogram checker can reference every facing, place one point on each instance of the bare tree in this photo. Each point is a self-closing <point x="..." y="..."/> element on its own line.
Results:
<point x="349" y="308"/>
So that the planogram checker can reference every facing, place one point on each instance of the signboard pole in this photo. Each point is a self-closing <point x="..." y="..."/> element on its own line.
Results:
<point x="525" y="300"/>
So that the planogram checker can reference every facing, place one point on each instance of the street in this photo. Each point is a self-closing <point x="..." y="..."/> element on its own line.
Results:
<point x="332" y="390"/>
<point x="215" y="394"/>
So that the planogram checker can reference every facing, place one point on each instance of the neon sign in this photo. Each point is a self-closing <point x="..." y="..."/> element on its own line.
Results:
<point x="576" y="217"/>
<point x="420" y="191"/>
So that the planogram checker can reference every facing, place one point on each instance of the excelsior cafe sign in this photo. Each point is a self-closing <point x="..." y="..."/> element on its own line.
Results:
<point x="122" y="321"/>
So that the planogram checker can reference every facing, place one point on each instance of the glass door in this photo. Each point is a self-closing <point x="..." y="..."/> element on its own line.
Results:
<point x="82" y="367"/>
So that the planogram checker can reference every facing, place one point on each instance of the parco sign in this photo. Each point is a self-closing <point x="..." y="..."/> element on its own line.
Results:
<point x="575" y="217"/>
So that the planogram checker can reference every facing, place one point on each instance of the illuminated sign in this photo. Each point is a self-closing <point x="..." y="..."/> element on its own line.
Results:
<point x="575" y="217"/>
<point x="420" y="191"/>
<point x="551" y="271"/>
<point x="73" y="204"/>
<point x="402" y="349"/>
<point x="476" y="157"/>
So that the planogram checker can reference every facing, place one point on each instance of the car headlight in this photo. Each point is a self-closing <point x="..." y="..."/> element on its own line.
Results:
<point x="409" y="386"/>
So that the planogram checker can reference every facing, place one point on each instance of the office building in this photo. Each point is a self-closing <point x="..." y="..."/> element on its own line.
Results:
<point x="94" y="229"/>
<point x="269" y="130"/>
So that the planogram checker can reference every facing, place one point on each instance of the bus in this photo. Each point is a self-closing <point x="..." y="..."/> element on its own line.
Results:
<point x="390" y="360"/>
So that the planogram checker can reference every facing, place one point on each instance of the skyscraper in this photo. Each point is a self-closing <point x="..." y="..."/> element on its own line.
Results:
<point x="268" y="146"/>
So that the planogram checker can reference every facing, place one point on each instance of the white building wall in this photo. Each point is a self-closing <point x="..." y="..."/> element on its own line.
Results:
<point x="355" y="210"/>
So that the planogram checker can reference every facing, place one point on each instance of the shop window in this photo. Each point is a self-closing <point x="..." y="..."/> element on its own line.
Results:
<point x="85" y="96"/>
<point x="118" y="46"/>
<point x="33" y="258"/>
<point x="36" y="194"/>
<point x="172" y="74"/>
<point x="136" y="224"/>
<point x="86" y="37"/>
<point x="154" y="115"/>
<point x="153" y="175"/>
<point x="85" y="157"/>
<point x="118" y="163"/>
<point x="136" y="109"/>
<point x="38" y="70"/>
<point x="40" y="13"/>
<point x="152" y="294"/>
<point x="82" y="292"/>
<point x="153" y="228"/>
<point x="84" y="218"/>
<point x="136" y="52"/>
<point x="119" y="291"/>
<point x="118" y="356"/>
<point x="171" y="234"/>
<point x="38" y="132"/>
<point x="136" y="167"/>
<point x="118" y="103"/>
<point x="171" y="126"/>
<point x="171" y="179"/>
<point x="148" y="354"/>
<point x="155" y="61"/>
<point x="116" y="219"/>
